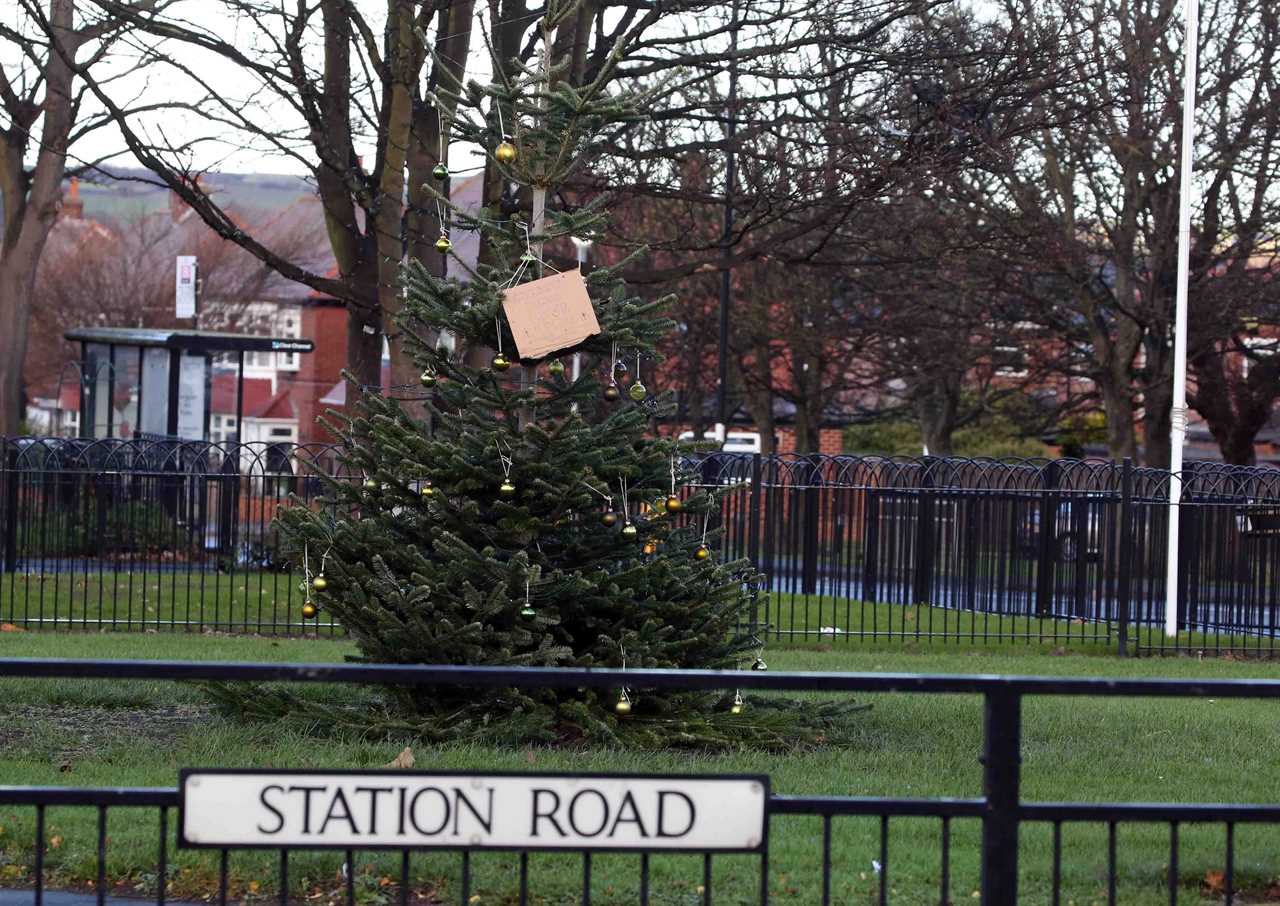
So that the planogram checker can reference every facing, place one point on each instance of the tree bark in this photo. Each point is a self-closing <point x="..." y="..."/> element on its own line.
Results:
<point x="936" y="408"/>
<point x="31" y="207"/>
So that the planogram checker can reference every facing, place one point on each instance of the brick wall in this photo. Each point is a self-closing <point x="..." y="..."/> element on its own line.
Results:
<point x="318" y="371"/>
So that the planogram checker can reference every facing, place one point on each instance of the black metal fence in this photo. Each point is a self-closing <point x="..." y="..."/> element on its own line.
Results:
<point x="1000" y="812"/>
<point x="172" y="534"/>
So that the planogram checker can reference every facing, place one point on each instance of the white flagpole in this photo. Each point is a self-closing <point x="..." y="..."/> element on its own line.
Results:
<point x="1178" y="419"/>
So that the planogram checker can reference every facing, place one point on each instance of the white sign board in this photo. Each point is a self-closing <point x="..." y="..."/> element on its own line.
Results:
<point x="191" y="392"/>
<point x="409" y="809"/>
<point x="185" y="306"/>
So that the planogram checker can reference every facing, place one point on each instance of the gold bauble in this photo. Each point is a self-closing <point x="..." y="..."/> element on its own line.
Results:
<point x="736" y="708"/>
<point x="611" y="393"/>
<point x="320" y="583"/>
<point x="623" y="706"/>
<point x="673" y="504"/>
<point x="609" y="518"/>
<point x="309" y="609"/>
<point x="443" y="244"/>
<point x="427" y="489"/>
<point x="629" y="530"/>
<point x="703" y="552"/>
<point x="555" y="367"/>
<point x="505" y="152"/>
<point x="500" y="363"/>
<point x="650" y="547"/>
<point x="506" y="489"/>
<point x="370" y="484"/>
<point x="637" y="392"/>
<point x="427" y="378"/>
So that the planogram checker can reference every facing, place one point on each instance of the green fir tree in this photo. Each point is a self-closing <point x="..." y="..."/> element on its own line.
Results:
<point x="529" y="518"/>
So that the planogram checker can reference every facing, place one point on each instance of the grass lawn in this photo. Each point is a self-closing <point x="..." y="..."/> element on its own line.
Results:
<point x="254" y="601"/>
<point x="140" y="733"/>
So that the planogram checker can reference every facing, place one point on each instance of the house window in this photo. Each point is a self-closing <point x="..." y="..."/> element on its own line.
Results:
<point x="282" y="432"/>
<point x="1009" y="361"/>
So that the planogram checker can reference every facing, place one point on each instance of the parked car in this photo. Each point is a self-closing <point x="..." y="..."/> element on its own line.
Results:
<point x="734" y="441"/>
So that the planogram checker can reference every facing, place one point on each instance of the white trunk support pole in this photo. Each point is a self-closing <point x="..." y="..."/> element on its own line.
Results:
<point x="1178" y="417"/>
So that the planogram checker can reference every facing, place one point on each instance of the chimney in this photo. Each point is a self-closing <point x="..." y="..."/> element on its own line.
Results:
<point x="72" y="203"/>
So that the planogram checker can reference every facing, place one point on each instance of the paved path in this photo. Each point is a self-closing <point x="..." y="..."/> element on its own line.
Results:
<point x="65" y="898"/>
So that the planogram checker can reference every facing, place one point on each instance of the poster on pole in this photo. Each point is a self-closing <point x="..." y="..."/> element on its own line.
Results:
<point x="185" y="276"/>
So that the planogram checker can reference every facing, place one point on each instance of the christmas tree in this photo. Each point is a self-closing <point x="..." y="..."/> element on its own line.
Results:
<point x="524" y="515"/>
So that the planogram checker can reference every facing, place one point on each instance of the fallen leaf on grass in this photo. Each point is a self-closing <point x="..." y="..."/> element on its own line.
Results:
<point x="403" y="761"/>
<point x="9" y="627"/>
<point x="1214" y="881"/>
<point x="55" y="842"/>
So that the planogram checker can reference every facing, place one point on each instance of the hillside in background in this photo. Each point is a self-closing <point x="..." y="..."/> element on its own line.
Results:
<point x="135" y="193"/>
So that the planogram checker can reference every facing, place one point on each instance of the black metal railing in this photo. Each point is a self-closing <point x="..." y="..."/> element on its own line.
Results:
<point x="177" y="534"/>
<point x="1001" y="810"/>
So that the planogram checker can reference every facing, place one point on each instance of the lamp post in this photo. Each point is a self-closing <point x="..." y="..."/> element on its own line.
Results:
<point x="1178" y="416"/>
<point x="726" y="269"/>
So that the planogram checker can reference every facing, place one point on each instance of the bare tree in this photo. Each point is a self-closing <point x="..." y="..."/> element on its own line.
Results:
<point x="44" y="116"/>
<point x="1092" y="207"/>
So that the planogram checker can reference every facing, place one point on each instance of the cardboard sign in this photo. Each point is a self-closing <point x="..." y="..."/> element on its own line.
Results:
<point x="408" y="809"/>
<point x="550" y="314"/>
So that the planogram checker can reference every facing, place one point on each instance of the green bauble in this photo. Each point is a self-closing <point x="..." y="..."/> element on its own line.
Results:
<point x="440" y="171"/>
<point x="637" y="391"/>
<point x="555" y="367"/>
<point x="427" y="378"/>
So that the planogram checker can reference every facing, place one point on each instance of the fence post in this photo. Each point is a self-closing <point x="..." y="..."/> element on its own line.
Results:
<point x="1001" y="777"/>
<point x="1045" y="556"/>
<point x="10" y="465"/>
<point x="922" y="579"/>
<point x="1189" y="516"/>
<point x="753" y="512"/>
<point x="810" y="542"/>
<point x="1124" y="584"/>
<point x="871" y="544"/>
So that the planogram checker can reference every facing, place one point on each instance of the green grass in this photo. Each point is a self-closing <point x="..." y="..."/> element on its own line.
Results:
<point x="195" y="601"/>
<point x="140" y="733"/>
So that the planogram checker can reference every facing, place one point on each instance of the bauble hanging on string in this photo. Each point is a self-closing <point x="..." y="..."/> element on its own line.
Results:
<point x="427" y="378"/>
<point x="309" y="609"/>
<point x="528" y="611"/>
<point x="703" y="552"/>
<point x="555" y="367"/>
<point x="673" y="504"/>
<point x="440" y="171"/>
<point x="637" y="391"/>
<point x="608" y="518"/>
<point x="427" y="490"/>
<point x="736" y="707"/>
<point x="500" y="362"/>
<point x="505" y="152"/>
<point x="506" y="489"/>
<point x="370" y="485"/>
<point x="623" y="705"/>
<point x="612" y="394"/>
<point x="443" y="244"/>
<point x="320" y="583"/>
<point x="629" y="530"/>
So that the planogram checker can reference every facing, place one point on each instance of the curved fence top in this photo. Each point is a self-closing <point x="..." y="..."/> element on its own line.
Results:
<point x="1204" y="481"/>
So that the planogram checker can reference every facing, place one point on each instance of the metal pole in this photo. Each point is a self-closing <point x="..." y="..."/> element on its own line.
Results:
<point x="726" y="270"/>
<point x="1178" y="417"/>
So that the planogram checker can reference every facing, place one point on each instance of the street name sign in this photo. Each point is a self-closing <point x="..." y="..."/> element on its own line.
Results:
<point x="388" y="809"/>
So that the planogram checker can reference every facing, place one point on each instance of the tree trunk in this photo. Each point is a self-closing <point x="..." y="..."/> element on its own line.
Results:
<point x="1157" y="400"/>
<point x="17" y="278"/>
<point x="937" y="406"/>
<point x="1117" y="404"/>
<point x="364" y="331"/>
